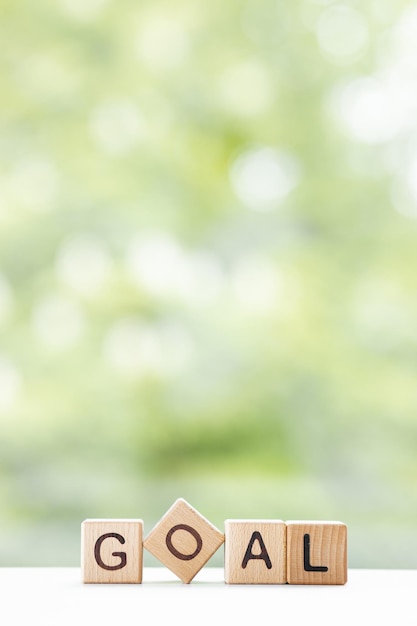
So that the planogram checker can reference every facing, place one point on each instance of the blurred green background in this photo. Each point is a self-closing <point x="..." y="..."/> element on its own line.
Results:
<point x="208" y="282"/>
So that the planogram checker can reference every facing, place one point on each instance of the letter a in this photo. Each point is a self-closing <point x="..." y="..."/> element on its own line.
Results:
<point x="256" y="536"/>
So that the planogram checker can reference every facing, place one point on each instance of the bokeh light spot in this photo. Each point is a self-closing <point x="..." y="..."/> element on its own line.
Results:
<point x="136" y="349"/>
<point x="342" y="34"/>
<point x="84" y="264"/>
<point x="374" y="109"/>
<point x="263" y="177"/>
<point x="33" y="184"/>
<point x="157" y="264"/>
<point x="117" y="126"/>
<point x="162" y="41"/>
<point x="256" y="284"/>
<point x="83" y="10"/>
<point x="44" y="77"/>
<point x="58" y="322"/>
<point x="245" y="89"/>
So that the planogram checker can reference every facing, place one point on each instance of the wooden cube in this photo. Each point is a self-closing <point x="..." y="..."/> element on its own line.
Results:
<point x="183" y="540"/>
<point x="255" y="552"/>
<point x="111" y="550"/>
<point x="316" y="553"/>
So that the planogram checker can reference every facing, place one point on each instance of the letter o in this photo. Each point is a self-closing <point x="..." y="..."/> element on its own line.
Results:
<point x="174" y="551"/>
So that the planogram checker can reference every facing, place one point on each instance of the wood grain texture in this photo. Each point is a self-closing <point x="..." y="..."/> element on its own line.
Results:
<point x="316" y="546"/>
<point x="112" y="559"/>
<point x="255" y="552"/>
<point x="183" y="540"/>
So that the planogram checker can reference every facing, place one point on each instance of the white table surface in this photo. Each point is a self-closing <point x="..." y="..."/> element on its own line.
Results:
<point x="57" y="597"/>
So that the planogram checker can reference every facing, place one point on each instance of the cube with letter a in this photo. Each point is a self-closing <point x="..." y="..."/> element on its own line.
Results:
<point x="255" y="552"/>
<point x="317" y="553"/>
<point x="111" y="550"/>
